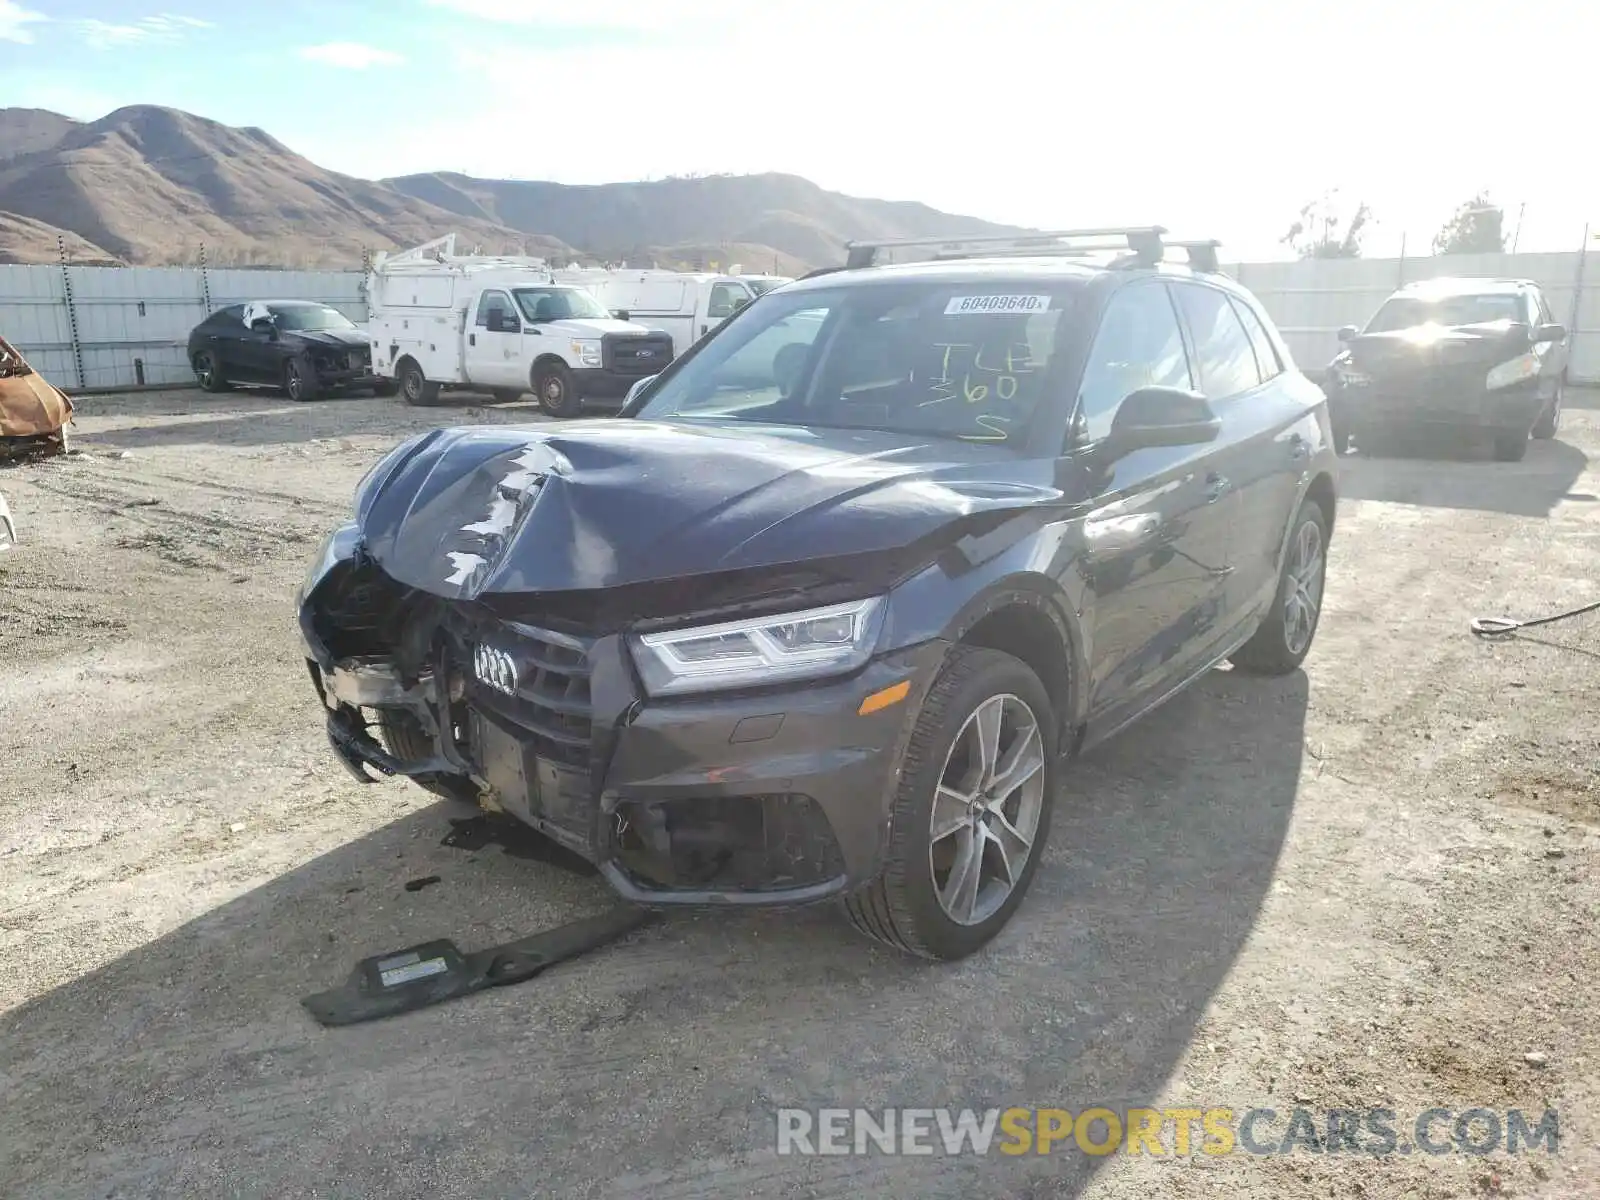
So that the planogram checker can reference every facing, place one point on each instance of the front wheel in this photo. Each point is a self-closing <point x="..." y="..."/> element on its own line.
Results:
<point x="299" y="381"/>
<point x="1511" y="447"/>
<point x="552" y="383"/>
<point x="1284" y="639"/>
<point x="971" y="813"/>
<point x="1549" y="421"/>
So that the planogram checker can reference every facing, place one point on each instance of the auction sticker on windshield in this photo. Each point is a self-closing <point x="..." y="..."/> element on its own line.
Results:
<point x="960" y="305"/>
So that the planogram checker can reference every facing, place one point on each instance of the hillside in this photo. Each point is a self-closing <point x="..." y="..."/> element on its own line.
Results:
<point x="148" y="186"/>
<point x="754" y="215"/>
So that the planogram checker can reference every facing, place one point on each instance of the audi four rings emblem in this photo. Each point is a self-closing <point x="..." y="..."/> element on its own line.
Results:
<point x="495" y="668"/>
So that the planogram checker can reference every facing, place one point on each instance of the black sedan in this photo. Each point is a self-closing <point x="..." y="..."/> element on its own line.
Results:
<point x="306" y="348"/>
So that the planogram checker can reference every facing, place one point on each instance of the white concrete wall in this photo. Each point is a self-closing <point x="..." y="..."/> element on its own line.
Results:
<point x="125" y="323"/>
<point x="136" y="320"/>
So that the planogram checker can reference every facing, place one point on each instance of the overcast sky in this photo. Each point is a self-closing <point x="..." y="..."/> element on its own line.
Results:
<point x="1216" y="119"/>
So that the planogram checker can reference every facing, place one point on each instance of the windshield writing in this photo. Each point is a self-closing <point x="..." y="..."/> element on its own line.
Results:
<point x="936" y="360"/>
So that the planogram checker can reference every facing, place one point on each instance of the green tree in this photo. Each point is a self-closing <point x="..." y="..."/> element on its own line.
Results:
<point x="1322" y="231"/>
<point x="1478" y="227"/>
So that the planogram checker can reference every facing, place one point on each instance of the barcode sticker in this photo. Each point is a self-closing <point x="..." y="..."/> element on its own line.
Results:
<point x="964" y="305"/>
<point x="394" y="976"/>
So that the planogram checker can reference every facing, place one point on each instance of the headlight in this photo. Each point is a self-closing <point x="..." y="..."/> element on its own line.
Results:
<point x="587" y="354"/>
<point x="1519" y="370"/>
<point x="802" y="645"/>
<point x="341" y="544"/>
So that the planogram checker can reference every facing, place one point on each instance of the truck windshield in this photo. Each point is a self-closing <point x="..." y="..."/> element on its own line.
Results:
<point x="559" y="304"/>
<point x="971" y="360"/>
<point x="310" y="317"/>
<point x="1407" y="312"/>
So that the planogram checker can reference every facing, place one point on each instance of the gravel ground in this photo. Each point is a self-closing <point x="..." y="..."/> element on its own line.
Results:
<point x="1368" y="884"/>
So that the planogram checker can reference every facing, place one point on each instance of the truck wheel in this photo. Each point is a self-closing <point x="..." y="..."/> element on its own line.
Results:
<point x="415" y="386"/>
<point x="971" y="813"/>
<point x="552" y="383"/>
<point x="299" y="380"/>
<point x="208" y="372"/>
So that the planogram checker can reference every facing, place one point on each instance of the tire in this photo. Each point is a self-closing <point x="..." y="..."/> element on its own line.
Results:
<point x="552" y="383"/>
<point x="299" y="380"/>
<point x="1549" y="421"/>
<point x="208" y="373"/>
<point x="1280" y="645"/>
<point x="1511" y="447"/>
<point x="418" y="391"/>
<point x="902" y="907"/>
<point x="405" y="738"/>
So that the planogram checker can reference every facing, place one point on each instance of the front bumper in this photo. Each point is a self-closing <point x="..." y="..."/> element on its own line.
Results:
<point x="1383" y="406"/>
<point x="604" y="383"/>
<point x="777" y="797"/>
<point x="345" y="378"/>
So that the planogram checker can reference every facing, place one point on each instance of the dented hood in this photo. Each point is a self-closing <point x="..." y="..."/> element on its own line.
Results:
<point x="466" y="512"/>
<point x="29" y="407"/>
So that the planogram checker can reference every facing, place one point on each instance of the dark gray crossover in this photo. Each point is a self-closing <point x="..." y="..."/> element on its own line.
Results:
<point x="1452" y="355"/>
<point x="826" y="611"/>
<point x="306" y="348"/>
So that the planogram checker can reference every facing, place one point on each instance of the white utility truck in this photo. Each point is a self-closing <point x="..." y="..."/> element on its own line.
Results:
<point x="686" y="304"/>
<point x="504" y="325"/>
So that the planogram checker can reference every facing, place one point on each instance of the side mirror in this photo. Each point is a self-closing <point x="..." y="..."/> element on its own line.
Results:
<point x="501" y="321"/>
<point x="1548" y="333"/>
<point x="1346" y="332"/>
<point x="622" y="314"/>
<point x="265" y="325"/>
<point x="637" y="388"/>
<point x="1161" y="416"/>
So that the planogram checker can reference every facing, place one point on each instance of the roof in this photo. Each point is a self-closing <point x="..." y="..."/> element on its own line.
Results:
<point x="1462" y="285"/>
<point x="1056" y="271"/>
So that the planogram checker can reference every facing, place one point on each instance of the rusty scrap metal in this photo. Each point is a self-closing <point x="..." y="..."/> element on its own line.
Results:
<point x="34" y="414"/>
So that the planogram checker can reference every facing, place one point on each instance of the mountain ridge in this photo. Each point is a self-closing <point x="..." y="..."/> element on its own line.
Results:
<point x="146" y="185"/>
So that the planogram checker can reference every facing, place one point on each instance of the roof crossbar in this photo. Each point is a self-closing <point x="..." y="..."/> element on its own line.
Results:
<point x="1139" y="246"/>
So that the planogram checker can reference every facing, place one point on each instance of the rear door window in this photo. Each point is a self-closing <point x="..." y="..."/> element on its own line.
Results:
<point x="1226" y="361"/>
<point x="1267" y="364"/>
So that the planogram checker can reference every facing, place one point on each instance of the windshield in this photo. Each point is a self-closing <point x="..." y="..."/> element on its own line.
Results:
<point x="1407" y="312"/>
<point x="310" y="316"/>
<point x="761" y="286"/>
<point x="559" y="304"/>
<point x="969" y="360"/>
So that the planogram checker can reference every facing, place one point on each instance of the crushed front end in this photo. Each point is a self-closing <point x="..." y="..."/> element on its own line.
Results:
<point x="763" y="795"/>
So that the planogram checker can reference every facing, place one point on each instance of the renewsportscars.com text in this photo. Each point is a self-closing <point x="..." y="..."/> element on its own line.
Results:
<point x="1177" y="1132"/>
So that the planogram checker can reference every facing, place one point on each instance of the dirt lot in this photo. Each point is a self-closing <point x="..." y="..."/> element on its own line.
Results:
<point x="1369" y="884"/>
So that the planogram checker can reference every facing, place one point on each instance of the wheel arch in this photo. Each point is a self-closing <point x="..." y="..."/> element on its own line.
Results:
<point x="547" y="359"/>
<point x="1019" y="617"/>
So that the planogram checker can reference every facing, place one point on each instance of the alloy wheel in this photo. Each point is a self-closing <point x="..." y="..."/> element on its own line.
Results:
<point x="986" y="809"/>
<point x="1303" y="582"/>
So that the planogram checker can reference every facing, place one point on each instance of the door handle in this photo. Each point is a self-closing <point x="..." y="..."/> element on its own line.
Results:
<point x="472" y="339"/>
<point x="1215" y="486"/>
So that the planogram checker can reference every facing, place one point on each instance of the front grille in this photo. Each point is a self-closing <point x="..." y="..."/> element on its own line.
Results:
<point x="549" y="694"/>
<point x="636" y="354"/>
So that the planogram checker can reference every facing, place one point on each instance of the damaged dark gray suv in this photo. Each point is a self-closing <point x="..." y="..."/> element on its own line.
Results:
<point x="826" y="610"/>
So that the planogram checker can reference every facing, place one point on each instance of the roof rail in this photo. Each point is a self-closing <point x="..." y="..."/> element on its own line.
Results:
<point x="1142" y="246"/>
<point x="1144" y="240"/>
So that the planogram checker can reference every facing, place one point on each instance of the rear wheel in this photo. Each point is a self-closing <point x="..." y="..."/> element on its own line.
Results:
<point x="299" y="380"/>
<point x="1284" y="639"/>
<point x="552" y="383"/>
<point x="415" y="386"/>
<point x="971" y="813"/>
<point x="208" y="373"/>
